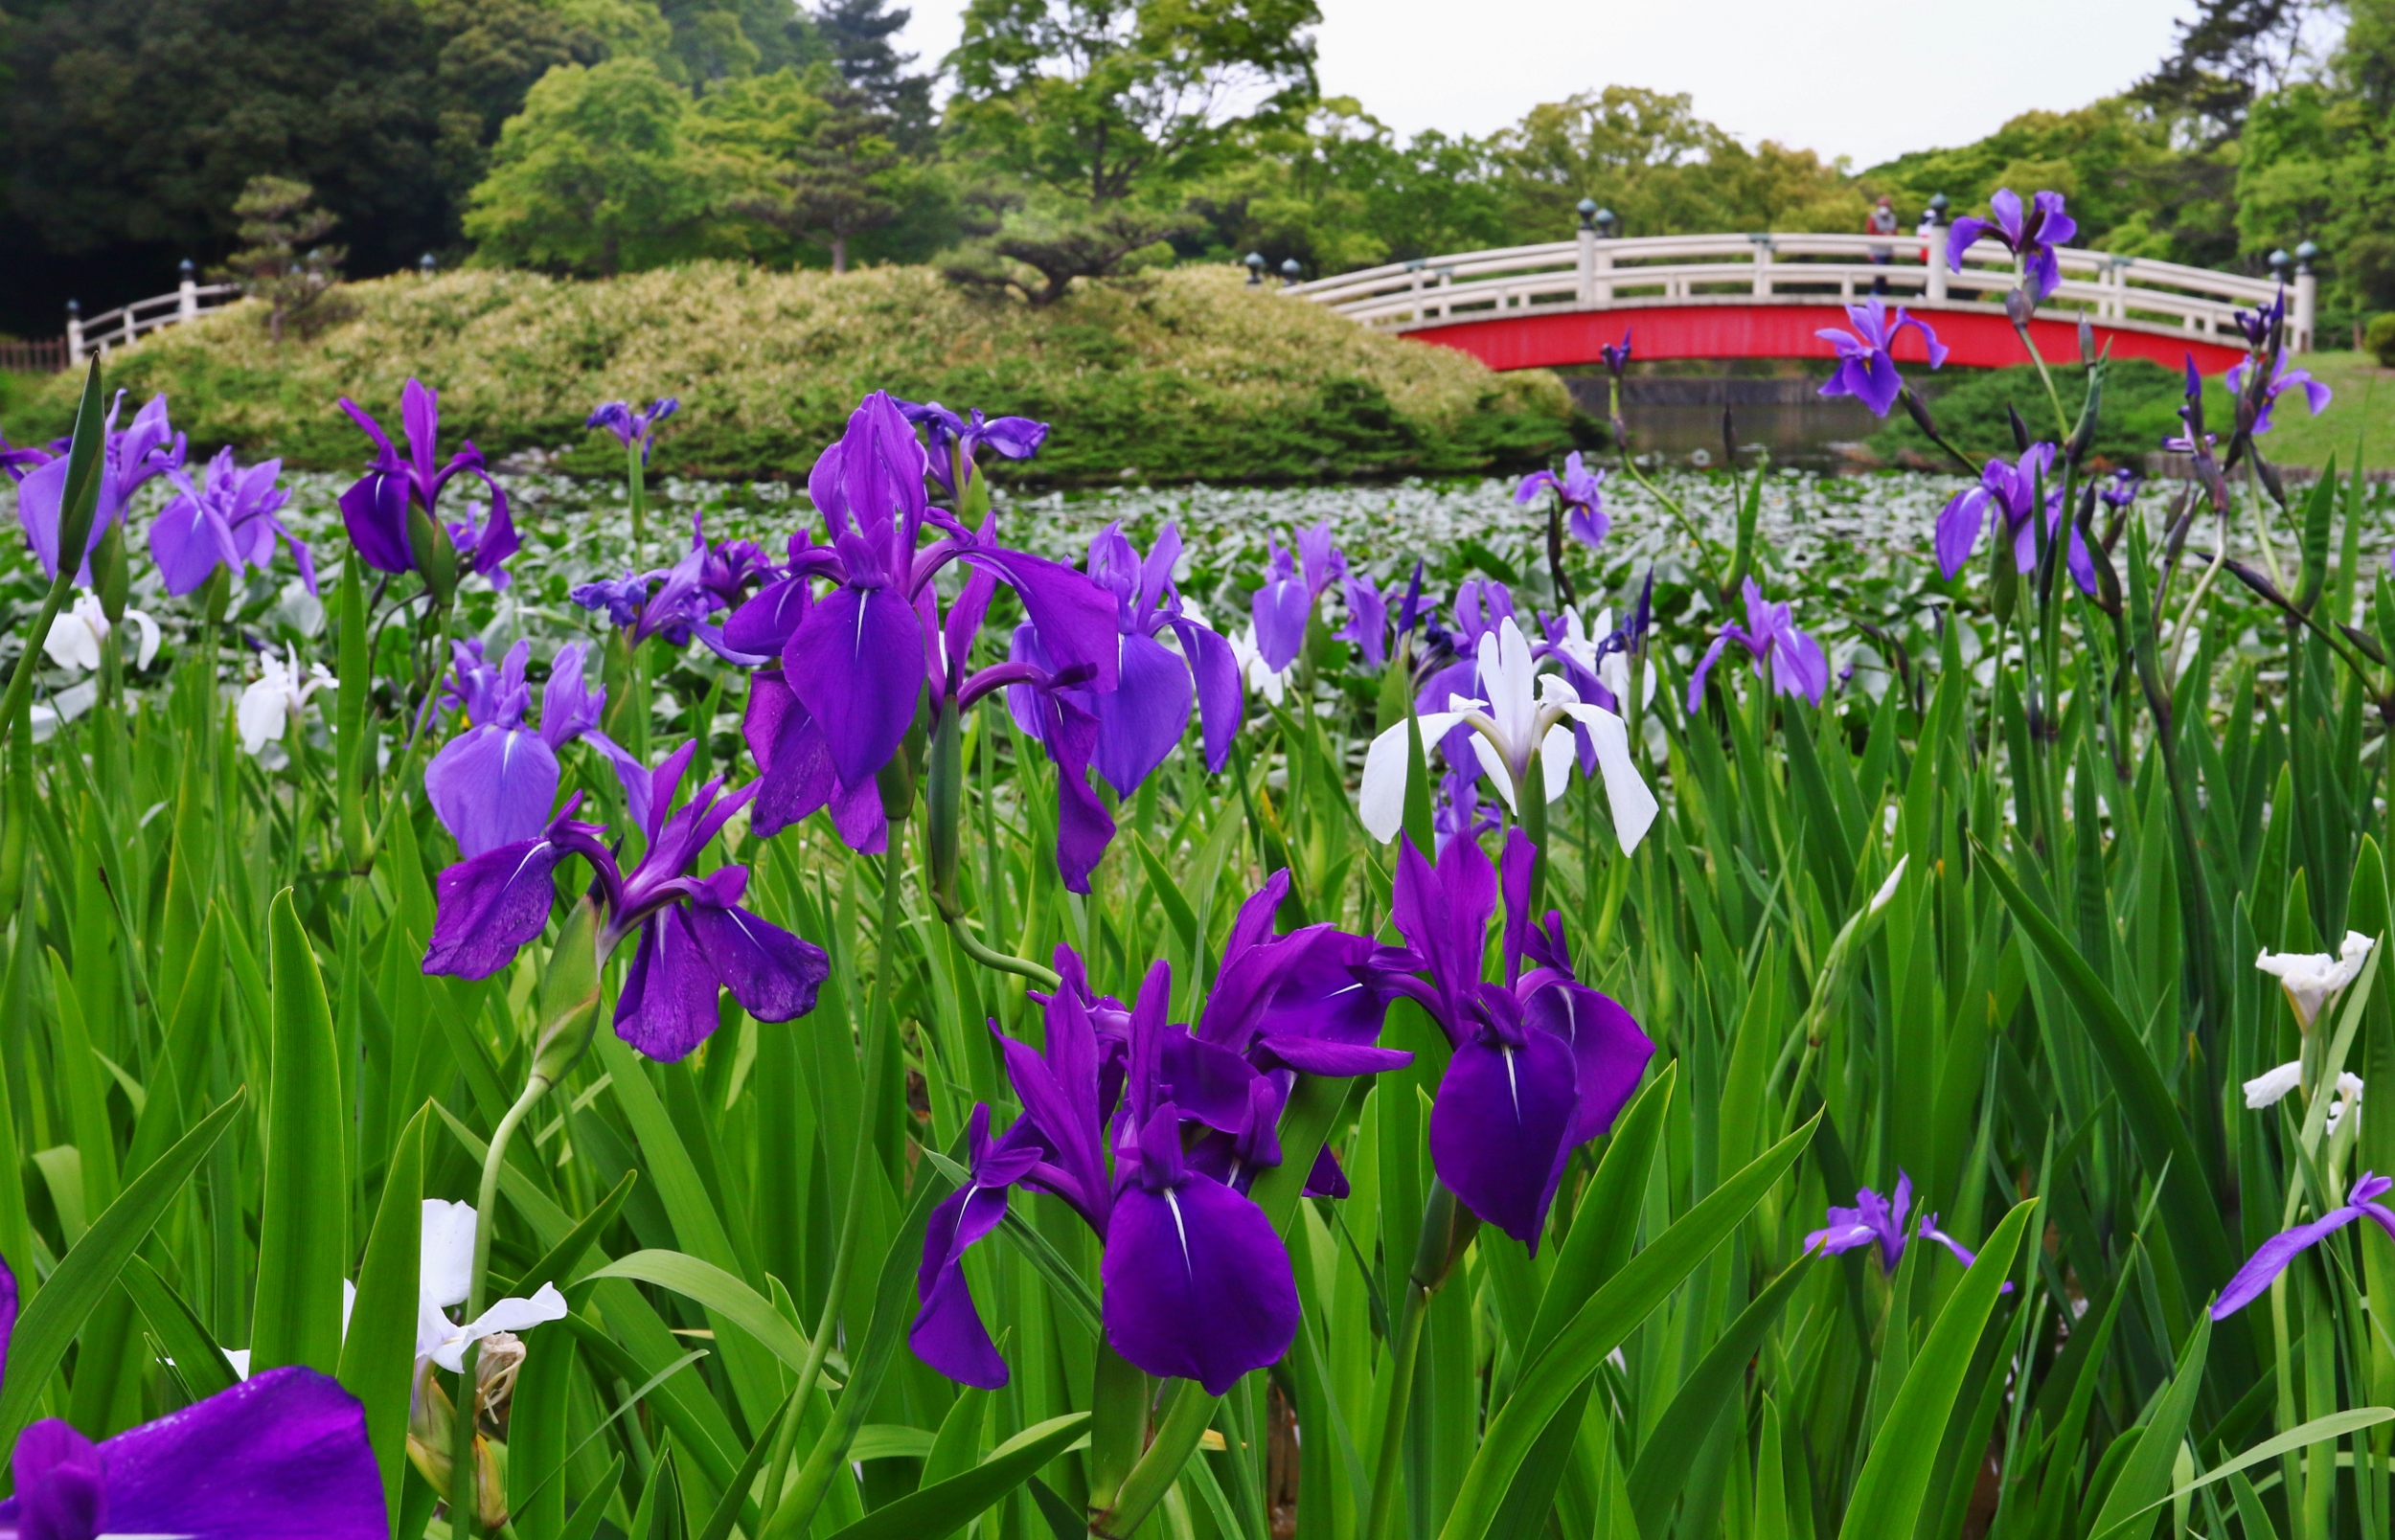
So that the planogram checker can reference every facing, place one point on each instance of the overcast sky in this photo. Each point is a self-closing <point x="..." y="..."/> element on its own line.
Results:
<point x="1844" y="78"/>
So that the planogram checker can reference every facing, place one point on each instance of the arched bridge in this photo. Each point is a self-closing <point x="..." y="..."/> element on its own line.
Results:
<point x="1764" y="296"/>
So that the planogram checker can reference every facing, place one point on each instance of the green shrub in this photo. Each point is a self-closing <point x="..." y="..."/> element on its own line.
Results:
<point x="1187" y="375"/>
<point x="2379" y="339"/>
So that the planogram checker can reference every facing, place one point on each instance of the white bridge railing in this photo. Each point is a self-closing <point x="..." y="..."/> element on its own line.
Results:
<point x="117" y="328"/>
<point x="1596" y="273"/>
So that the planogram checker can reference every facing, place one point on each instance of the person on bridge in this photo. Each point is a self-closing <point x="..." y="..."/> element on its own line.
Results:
<point x="1882" y="222"/>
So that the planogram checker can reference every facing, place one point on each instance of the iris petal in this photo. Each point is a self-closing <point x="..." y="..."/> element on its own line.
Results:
<point x="1198" y="1283"/>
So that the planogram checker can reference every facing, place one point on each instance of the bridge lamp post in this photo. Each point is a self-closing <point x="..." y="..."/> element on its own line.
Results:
<point x="1255" y="269"/>
<point x="426" y="265"/>
<point x="1290" y="271"/>
<point x="74" y="331"/>
<point x="1934" y="292"/>
<point x="187" y="292"/>
<point x="2307" y="293"/>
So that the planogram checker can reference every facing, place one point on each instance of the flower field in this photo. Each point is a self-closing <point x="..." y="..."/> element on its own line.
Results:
<point x="1635" y="1002"/>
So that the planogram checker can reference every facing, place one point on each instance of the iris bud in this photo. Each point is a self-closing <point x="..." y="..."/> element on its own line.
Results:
<point x="569" y="995"/>
<point x="435" y="557"/>
<point x="944" y="796"/>
<point x="2020" y="305"/>
<point x="113" y="580"/>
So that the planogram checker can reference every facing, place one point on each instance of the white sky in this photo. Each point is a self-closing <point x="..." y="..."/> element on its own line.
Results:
<point x="1868" y="80"/>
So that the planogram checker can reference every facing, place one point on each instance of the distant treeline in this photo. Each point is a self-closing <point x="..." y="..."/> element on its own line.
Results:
<point x="1073" y="139"/>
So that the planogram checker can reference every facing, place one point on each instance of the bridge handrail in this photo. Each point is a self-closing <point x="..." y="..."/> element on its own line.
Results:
<point x="1589" y="273"/>
<point x="127" y="322"/>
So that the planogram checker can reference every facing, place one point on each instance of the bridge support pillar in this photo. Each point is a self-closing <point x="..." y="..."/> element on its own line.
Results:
<point x="2306" y="306"/>
<point x="1937" y="265"/>
<point x="1763" y="264"/>
<point x="74" y="353"/>
<point x="1587" y="266"/>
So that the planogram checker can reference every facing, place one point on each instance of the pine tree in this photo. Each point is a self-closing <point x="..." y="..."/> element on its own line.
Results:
<point x="859" y="36"/>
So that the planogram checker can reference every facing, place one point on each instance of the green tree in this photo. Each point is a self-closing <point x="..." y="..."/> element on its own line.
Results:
<point x="600" y="174"/>
<point x="816" y="162"/>
<point x="1338" y="192"/>
<point x="283" y="259"/>
<point x="1108" y="112"/>
<point x="856" y="36"/>
<point x="1104" y="101"/>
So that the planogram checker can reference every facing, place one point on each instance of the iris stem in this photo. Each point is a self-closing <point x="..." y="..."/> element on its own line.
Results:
<point x="1434" y="1254"/>
<point x="21" y="682"/>
<point x="1118" y="1426"/>
<point x="1403" y="1350"/>
<point x="1000" y="961"/>
<point x="788" y="1518"/>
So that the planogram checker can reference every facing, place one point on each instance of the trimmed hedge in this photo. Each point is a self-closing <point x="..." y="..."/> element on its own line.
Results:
<point x="1184" y="375"/>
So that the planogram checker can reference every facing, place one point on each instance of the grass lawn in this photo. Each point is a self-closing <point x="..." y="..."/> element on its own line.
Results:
<point x="2364" y="412"/>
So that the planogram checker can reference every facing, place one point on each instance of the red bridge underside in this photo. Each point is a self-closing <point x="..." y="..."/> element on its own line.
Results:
<point x="1975" y="337"/>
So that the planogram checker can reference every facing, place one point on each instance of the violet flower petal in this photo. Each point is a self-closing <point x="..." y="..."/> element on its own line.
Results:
<point x="773" y="974"/>
<point x="283" y="1456"/>
<point x="1198" y="1284"/>
<point x="948" y="1333"/>
<point x="1609" y="1052"/>
<point x="669" y="1002"/>
<point x="489" y="905"/>
<point x="857" y="663"/>
<point x="1499" y="1124"/>
<point x="1142" y="719"/>
<point x="493" y="786"/>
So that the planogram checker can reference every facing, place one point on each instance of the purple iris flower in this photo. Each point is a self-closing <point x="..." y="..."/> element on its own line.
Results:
<point x="1866" y="369"/>
<point x="956" y="439"/>
<point x="1144" y="715"/>
<point x="1462" y="810"/>
<point x="374" y="509"/>
<point x="1543" y="1063"/>
<point x="228" y="520"/>
<point x="633" y="427"/>
<point x="282" y="1456"/>
<point x="1196" y="1283"/>
<point x="2012" y="490"/>
<point x="2257" y="325"/>
<point x="1583" y="503"/>
<point x="2271" y="1258"/>
<point x="148" y="447"/>
<point x="1616" y="355"/>
<point x="733" y="570"/>
<point x="1367" y="618"/>
<point x="683" y="597"/>
<point x="2126" y="485"/>
<point x="695" y="936"/>
<point x="1783" y="654"/>
<point x="2316" y="395"/>
<point x="17" y="461"/>
<point x="1286" y="603"/>
<point x="2032" y="234"/>
<point x="1411" y="611"/>
<point x="857" y="660"/>
<point x="494" y="784"/>
<point x="1875" y="1220"/>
